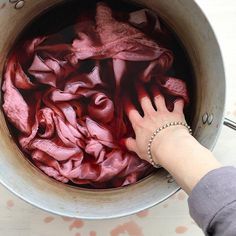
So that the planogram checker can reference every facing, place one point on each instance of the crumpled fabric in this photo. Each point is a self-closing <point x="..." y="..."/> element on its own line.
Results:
<point x="66" y="100"/>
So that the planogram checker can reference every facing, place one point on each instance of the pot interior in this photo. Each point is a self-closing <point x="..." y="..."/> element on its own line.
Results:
<point x="22" y="178"/>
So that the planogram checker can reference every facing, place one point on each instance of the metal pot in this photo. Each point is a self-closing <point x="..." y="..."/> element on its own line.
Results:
<point x="23" y="179"/>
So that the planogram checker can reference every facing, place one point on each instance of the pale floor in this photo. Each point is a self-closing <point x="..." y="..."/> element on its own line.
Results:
<point x="169" y="218"/>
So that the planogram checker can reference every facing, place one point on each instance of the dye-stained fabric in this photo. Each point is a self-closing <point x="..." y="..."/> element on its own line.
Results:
<point x="66" y="98"/>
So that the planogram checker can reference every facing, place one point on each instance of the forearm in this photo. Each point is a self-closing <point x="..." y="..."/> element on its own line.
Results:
<point x="184" y="158"/>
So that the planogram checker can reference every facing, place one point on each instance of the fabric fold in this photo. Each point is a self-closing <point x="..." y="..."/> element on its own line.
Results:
<point x="65" y="97"/>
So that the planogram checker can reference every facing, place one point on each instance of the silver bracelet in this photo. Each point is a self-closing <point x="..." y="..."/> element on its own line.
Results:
<point x="156" y="132"/>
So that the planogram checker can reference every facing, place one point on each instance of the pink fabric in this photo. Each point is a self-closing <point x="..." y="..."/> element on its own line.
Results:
<point x="70" y="120"/>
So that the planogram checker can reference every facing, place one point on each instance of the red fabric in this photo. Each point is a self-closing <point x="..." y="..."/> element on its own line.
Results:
<point x="71" y="120"/>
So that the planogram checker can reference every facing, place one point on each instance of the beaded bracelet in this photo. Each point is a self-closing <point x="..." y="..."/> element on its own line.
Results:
<point x="156" y="132"/>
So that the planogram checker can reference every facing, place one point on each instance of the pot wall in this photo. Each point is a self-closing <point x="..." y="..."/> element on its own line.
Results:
<point x="22" y="178"/>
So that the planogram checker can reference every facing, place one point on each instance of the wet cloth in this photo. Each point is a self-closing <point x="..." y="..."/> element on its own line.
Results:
<point x="66" y="99"/>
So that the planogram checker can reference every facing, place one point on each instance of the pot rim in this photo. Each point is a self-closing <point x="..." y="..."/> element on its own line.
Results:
<point x="151" y="203"/>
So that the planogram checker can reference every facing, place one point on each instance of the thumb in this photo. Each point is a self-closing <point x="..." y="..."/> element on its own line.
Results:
<point x="131" y="145"/>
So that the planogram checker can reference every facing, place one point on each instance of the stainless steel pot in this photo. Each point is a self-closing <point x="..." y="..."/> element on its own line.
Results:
<point x="23" y="179"/>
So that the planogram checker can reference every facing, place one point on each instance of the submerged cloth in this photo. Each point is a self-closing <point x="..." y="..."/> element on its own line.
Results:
<point x="212" y="202"/>
<point x="65" y="96"/>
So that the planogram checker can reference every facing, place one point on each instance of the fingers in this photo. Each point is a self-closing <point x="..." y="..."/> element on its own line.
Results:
<point x="145" y="101"/>
<point x="131" y="144"/>
<point x="159" y="100"/>
<point x="131" y="112"/>
<point x="179" y="105"/>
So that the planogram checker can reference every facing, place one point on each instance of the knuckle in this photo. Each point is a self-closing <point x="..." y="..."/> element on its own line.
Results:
<point x="138" y="124"/>
<point x="150" y="113"/>
<point x="158" y="97"/>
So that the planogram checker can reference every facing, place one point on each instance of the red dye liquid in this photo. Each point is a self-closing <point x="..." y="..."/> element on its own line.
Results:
<point x="68" y="78"/>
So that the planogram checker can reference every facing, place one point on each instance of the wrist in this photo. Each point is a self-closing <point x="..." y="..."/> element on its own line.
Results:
<point x="169" y="142"/>
<point x="182" y="156"/>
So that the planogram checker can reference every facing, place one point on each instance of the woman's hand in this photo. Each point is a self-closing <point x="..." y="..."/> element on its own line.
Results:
<point x="154" y="117"/>
<point x="173" y="148"/>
